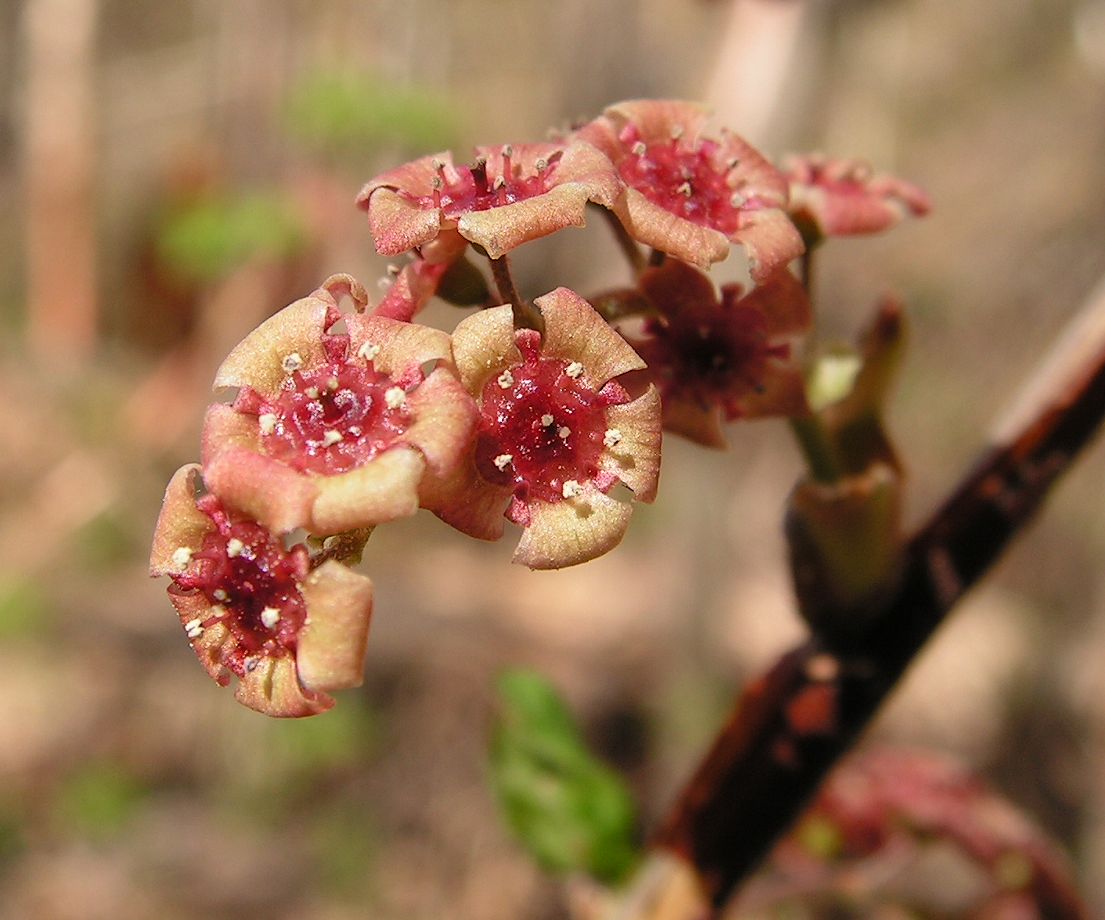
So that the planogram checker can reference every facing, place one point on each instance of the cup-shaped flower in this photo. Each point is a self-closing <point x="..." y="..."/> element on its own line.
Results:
<point x="691" y="196"/>
<point x="556" y="433"/>
<point x="253" y="609"/>
<point x="843" y="197"/>
<point x="509" y="195"/>
<point x="724" y="358"/>
<point x="335" y="431"/>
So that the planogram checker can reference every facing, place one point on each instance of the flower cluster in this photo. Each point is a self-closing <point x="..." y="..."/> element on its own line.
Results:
<point x="547" y="413"/>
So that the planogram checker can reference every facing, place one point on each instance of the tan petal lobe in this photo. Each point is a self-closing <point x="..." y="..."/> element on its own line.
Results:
<point x="483" y="347"/>
<point x="656" y="119"/>
<point x="224" y="429"/>
<point x="467" y="502"/>
<point x="180" y="523"/>
<point x="659" y="228"/>
<point x="266" y="490"/>
<point x="208" y="645"/>
<point x="273" y="688"/>
<point x="572" y="531"/>
<point x="784" y="304"/>
<point x="575" y="332"/>
<point x="384" y="489"/>
<point x="397" y="346"/>
<point x="398" y="224"/>
<point x="444" y="421"/>
<point x="503" y="228"/>
<point x="770" y="239"/>
<point x="331" y="649"/>
<point x="635" y="458"/>
<point x="259" y="360"/>
<point x="416" y="177"/>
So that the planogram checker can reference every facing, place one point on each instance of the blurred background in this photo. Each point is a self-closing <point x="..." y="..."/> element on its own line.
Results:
<point x="172" y="173"/>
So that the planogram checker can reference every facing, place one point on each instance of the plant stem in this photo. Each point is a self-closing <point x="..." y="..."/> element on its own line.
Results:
<point x="815" y="447"/>
<point x="525" y="315"/>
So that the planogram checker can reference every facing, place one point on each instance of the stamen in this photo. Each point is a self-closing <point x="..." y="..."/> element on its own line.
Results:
<point x="194" y="628"/>
<point x="393" y="269"/>
<point x="737" y="200"/>
<point x="220" y="595"/>
<point x="292" y="362"/>
<point x="733" y="164"/>
<point x="395" y="397"/>
<point x="437" y="184"/>
<point x="503" y="461"/>
<point x="234" y="547"/>
<point x="332" y="384"/>
<point x="562" y="432"/>
<point x="331" y="436"/>
<point x="182" y="555"/>
<point x="267" y="421"/>
<point x="311" y="392"/>
<point x="639" y="149"/>
<point x="368" y="351"/>
<point x="676" y="132"/>
<point x="685" y="190"/>
<point x="541" y="164"/>
<point x="270" y="616"/>
<point x="506" y="380"/>
<point x="574" y="369"/>
<point x="547" y="419"/>
<point x="571" y="488"/>
<point x="612" y="438"/>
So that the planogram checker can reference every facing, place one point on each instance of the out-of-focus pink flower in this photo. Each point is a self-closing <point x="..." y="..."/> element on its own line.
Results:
<point x="335" y="431"/>
<point x="253" y="609"/>
<point x="691" y="196"/>
<point x="511" y="194"/>
<point x="556" y="433"/>
<point x="724" y="359"/>
<point x="838" y="197"/>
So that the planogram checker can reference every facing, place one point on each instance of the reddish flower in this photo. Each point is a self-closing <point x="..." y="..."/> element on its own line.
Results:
<point x="509" y="195"/>
<point x="690" y="196"/>
<point x="556" y="433"/>
<point x="415" y="283"/>
<point x="843" y="197"/>
<point x="726" y="359"/>
<point x="256" y="610"/>
<point x="329" y="431"/>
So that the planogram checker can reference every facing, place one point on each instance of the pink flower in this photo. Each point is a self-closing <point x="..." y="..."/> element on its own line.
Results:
<point x="721" y="359"/>
<point x="556" y="433"/>
<point x="508" y="196"/>
<point x="256" y="610"/>
<point x="844" y="198"/>
<point x="334" y="431"/>
<point x="690" y="196"/>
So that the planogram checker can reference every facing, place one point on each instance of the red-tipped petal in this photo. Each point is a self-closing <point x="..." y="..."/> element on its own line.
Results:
<point x="575" y="530"/>
<point x="331" y="649"/>
<point x="657" y="227"/>
<point x="575" y="332"/>
<point x="771" y="241"/>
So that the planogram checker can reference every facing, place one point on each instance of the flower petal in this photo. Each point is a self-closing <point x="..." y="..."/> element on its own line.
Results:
<point x="575" y="332"/>
<point x="384" y="489"/>
<point x="416" y="178"/>
<point x="180" y="523"/>
<point x="701" y="424"/>
<point x="483" y="347"/>
<point x="677" y="288"/>
<point x="444" y="421"/>
<point x="770" y="239"/>
<point x="266" y="490"/>
<point x="272" y="687"/>
<point x="635" y="458"/>
<point x="575" y="530"/>
<point x="782" y="392"/>
<point x="503" y="228"/>
<point x="225" y="428"/>
<point x="259" y="360"/>
<point x="659" y="228"/>
<point x="398" y="224"/>
<point x="656" y="119"/>
<point x="331" y="648"/>
<point x="400" y="346"/>
<point x="784" y="304"/>
<point x="467" y="502"/>
<point x="192" y="605"/>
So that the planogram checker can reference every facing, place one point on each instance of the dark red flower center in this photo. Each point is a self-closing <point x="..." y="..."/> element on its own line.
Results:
<point x="689" y="181"/>
<point x="331" y="418"/>
<point x="542" y="429"/>
<point x="475" y="189"/>
<point x="252" y="583"/>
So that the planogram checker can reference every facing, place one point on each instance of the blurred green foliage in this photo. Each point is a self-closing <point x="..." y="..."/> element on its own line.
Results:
<point x="97" y="800"/>
<point x="355" y="114"/>
<point x="570" y="811"/>
<point x="24" y="611"/>
<point x="205" y="239"/>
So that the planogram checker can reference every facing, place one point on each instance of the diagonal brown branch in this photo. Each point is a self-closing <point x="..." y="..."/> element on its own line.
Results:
<point x="769" y="760"/>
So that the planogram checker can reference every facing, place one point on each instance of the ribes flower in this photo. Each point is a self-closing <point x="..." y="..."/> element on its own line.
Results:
<point x="556" y="433"/>
<point x="691" y="196"/>
<point x="510" y="194"/>
<point x="721" y="358"/>
<point x="838" y="197"/>
<point x="334" y="431"/>
<point x="253" y="609"/>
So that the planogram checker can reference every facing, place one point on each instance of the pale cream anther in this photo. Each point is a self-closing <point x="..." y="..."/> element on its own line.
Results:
<point x="685" y="190"/>
<point x="368" y="351"/>
<point x="547" y="420"/>
<point x="311" y="392"/>
<point x="234" y="547"/>
<point x="395" y="397"/>
<point x="506" y="380"/>
<point x="331" y="436"/>
<point x="182" y="555"/>
<point x="270" y="616"/>
<point x="267" y="422"/>
<point x="292" y="362"/>
<point x="737" y="200"/>
<point x="639" y="149"/>
<point x="332" y="384"/>
<point x="503" y="461"/>
<point x="571" y="488"/>
<point x="220" y="595"/>
<point x="612" y="438"/>
<point x="574" y="369"/>
<point x="194" y="628"/>
<point x="562" y="432"/>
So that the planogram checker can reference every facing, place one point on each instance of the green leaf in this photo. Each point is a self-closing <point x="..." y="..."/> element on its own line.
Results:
<point x="570" y="811"/>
